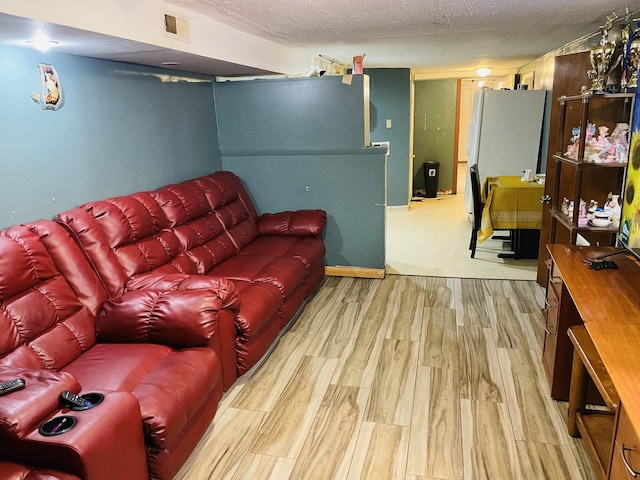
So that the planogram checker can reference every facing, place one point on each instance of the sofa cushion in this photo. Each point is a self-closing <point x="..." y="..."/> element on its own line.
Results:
<point x="206" y="242"/>
<point x="39" y="312"/>
<point x="308" y="250"/>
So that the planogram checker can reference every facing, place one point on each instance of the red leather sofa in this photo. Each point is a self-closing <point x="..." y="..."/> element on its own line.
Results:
<point x="154" y="301"/>
<point x="208" y="226"/>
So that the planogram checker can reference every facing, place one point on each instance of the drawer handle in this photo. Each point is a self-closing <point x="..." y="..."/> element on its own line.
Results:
<point x="546" y="330"/>
<point x="547" y="304"/>
<point x="631" y="471"/>
<point x="554" y="280"/>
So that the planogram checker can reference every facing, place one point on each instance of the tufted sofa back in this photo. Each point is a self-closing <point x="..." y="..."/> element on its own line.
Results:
<point x="43" y="322"/>
<point x="188" y="228"/>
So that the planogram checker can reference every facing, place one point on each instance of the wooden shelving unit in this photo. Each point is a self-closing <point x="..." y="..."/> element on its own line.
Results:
<point x="578" y="178"/>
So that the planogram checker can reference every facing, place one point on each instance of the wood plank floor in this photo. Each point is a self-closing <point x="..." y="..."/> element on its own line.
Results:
<point x="407" y="378"/>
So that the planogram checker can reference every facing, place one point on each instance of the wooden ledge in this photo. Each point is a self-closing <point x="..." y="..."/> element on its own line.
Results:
<point x="591" y="360"/>
<point x="358" y="272"/>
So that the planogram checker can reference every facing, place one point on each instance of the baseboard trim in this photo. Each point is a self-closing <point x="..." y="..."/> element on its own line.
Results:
<point x="359" y="272"/>
<point x="398" y="207"/>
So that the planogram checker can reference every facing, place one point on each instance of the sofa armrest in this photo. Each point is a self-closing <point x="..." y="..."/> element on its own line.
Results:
<point x="224" y="289"/>
<point x="106" y="442"/>
<point x="179" y="318"/>
<point x="223" y="342"/>
<point x="22" y="410"/>
<point x="301" y="223"/>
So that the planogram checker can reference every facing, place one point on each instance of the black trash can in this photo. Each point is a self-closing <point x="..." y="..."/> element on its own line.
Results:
<point x="431" y="178"/>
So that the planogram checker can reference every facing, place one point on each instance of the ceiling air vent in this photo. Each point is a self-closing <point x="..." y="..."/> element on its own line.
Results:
<point x="176" y="26"/>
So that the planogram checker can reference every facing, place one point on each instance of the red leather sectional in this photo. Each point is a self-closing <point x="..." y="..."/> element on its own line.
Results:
<point x="157" y="301"/>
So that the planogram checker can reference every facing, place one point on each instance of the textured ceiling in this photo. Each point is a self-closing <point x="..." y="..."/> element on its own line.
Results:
<point x="421" y="34"/>
<point x="435" y="38"/>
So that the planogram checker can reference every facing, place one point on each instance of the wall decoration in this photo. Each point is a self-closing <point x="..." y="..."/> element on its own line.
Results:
<point x="51" y="96"/>
<point x="629" y="233"/>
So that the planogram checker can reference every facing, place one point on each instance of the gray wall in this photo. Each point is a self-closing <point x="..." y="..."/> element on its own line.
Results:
<point x="122" y="128"/>
<point x="391" y="99"/>
<point x="298" y="143"/>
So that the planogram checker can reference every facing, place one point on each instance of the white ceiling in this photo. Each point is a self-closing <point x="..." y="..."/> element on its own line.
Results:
<point x="425" y="35"/>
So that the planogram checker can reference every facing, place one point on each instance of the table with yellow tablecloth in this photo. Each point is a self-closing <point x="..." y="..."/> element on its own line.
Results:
<point x="510" y="204"/>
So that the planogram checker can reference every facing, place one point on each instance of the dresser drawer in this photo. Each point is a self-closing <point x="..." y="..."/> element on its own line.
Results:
<point x="626" y="451"/>
<point x="555" y="280"/>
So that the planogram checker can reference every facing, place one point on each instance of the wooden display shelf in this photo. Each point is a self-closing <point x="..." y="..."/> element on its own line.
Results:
<point x="558" y="157"/>
<point x="568" y="223"/>
<point x="589" y="96"/>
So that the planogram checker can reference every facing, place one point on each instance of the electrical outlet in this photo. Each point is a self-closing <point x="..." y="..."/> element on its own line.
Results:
<point x="388" y="123"/>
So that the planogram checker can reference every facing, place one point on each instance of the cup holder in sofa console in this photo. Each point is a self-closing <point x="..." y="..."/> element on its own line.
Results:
<point x="57" y="426"/>
<point x="78" y="403"/>
<point x="91" y="399"/>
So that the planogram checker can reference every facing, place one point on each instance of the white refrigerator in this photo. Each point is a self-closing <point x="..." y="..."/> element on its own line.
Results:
<point x="504" y="134"/>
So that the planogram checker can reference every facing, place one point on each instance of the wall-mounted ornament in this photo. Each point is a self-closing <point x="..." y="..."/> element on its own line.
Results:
<point x="51" y="96"/>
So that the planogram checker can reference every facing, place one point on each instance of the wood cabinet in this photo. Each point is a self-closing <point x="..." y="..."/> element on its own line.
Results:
<point x="560" y="313"/>
<point x="625" y="461"/>
<point x="577" y="176"/>
<point x="606" y="354"/>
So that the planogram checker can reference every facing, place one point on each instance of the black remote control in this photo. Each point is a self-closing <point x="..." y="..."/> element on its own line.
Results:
<point x="72" y="400"/>
<point x="11" y="385"/>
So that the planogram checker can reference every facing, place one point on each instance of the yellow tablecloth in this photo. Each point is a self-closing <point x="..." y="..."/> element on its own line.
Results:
<point x="510" y="204"/>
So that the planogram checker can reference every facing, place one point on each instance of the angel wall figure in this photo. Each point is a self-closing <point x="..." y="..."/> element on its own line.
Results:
<point x="51" y="96"/>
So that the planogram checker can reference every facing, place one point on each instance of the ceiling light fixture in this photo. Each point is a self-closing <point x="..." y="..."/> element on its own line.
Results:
<point x="483" y="72"/>
<point x="41" y="42"/>
<point x="169" y="64"/>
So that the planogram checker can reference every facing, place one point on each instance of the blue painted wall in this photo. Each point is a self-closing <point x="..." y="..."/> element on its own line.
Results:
<point x="299" y="143"/>
<point x="391" y="99"/>
<point x="122" y="128"/>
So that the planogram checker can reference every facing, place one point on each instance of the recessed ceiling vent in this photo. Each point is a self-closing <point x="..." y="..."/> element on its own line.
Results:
<point x="176" y="26"/>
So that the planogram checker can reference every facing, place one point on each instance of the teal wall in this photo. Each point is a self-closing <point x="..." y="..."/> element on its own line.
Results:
<point x="299" y="143"/>
<point x="348" y="185"/>
<point x="122" y="128"/>
<point x="391" y="99"/>
<point x="434" y="129"/>
<point x="291" y="113"/>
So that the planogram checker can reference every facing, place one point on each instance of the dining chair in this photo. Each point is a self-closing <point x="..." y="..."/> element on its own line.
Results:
<point x="478" y="206"/>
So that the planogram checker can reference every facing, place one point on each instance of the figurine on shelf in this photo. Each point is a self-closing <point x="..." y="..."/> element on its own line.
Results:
<point x="591" y="146"/>
<point x="582" y="217"/>
<point x="572" y="148"/>
<point x="603" y="143"/>
<point x="620" y="137"/>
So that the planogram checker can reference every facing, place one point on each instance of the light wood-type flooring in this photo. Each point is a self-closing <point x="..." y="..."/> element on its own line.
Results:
<point x="405" y="378"/>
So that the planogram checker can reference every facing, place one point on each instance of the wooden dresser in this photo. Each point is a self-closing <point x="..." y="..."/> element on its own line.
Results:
<point x="608" y="303"/>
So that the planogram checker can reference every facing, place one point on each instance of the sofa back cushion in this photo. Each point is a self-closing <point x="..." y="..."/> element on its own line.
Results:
<point x="212" y="216"/>
<point x="43" y="324"/>
<point x="188" y="228"/>
<point x="124" y="237"/>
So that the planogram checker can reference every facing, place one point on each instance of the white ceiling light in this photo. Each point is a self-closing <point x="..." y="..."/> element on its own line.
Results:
<point x="483" y="72"/>
<point x="41" y="42"/>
